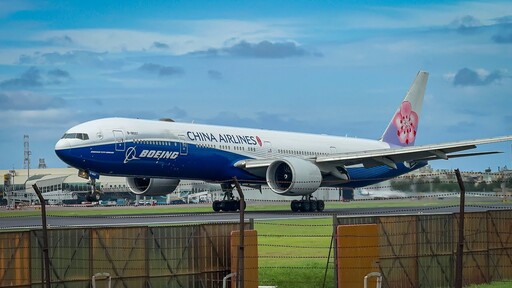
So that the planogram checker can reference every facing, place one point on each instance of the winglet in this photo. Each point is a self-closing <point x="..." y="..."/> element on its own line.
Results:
<point x="403" y="127"/>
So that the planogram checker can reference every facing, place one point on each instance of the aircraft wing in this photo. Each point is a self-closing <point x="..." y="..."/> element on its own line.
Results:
<point x="410" y="154"/>
<point x="389" y="157"/>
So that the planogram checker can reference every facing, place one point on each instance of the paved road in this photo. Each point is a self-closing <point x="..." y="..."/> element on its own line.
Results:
<point x="159" y="219"/>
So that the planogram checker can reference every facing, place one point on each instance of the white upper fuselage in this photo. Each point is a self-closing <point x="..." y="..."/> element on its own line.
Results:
<point x="115" y="146"/>
<point x="243" y="141"/>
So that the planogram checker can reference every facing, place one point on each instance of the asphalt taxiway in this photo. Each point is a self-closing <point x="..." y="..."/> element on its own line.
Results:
<point x="34" y="222"/>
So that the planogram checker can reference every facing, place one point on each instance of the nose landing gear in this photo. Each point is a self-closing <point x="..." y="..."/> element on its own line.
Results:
<point x="94" y="194"/>
<point x="307" y="204"/>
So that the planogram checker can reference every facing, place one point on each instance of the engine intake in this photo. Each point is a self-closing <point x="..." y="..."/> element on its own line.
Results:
<point x="151" y="186"/>
<point x="293" y="176"/>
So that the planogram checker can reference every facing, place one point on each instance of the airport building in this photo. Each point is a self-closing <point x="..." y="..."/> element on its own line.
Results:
<point x="64" y="186"/>
<point x="58" y="185"/>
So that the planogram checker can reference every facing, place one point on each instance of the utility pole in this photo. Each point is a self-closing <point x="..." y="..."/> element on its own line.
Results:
<point x="26" y="155"/>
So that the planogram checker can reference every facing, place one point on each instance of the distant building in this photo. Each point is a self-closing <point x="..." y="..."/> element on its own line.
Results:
<point x="56" y="184"/>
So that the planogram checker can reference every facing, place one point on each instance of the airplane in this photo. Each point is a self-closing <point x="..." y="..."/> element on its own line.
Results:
<point x="155" y="155"/>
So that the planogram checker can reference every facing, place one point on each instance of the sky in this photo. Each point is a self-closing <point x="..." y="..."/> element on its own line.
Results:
<point x="327" y="67"/>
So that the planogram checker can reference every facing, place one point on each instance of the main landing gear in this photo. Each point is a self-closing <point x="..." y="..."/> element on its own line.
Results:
<point x="307" y="204"/>
<point x="229" y="202"/>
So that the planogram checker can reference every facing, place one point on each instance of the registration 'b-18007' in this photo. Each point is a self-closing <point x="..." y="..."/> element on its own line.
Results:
<point x="155" y="155"/>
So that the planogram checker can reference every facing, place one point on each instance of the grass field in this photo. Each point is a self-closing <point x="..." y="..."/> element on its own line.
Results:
<point x="294" y="253"/>
<point x="506" y="284"/>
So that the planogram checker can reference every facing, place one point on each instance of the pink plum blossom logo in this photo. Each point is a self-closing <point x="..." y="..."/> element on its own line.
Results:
<point x="406" y="122"/>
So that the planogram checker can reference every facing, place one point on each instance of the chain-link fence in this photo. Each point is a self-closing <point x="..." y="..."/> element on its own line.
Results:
<point x="167" y="256"/>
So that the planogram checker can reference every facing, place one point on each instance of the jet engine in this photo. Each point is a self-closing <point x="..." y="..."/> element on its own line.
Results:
<point x="151" y="186"/>
<point x="293" y="176"/>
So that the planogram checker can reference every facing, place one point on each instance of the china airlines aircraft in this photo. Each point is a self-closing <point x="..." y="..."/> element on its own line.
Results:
<point x="155" y="155"/>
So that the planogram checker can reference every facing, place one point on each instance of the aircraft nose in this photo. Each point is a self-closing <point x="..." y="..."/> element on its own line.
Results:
<point x="62" y="144"/>
<point x="62" y="149"/>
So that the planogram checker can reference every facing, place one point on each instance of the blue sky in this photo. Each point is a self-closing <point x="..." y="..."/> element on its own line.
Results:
<point x="332" y="67"/>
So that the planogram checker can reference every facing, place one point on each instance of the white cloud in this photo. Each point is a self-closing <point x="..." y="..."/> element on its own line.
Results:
<point x="235" y="30"/>
<point x="60" y="117"/>
<point x="181" y="36"/>
<point x="428" y="15"/>
<point x="114" y="40"/>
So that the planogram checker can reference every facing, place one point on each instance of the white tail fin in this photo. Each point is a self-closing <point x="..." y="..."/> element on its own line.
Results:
<point x="403" y="127"/>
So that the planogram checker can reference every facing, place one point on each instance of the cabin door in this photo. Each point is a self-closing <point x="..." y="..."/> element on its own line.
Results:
<point x="119" y="140"/>
<point x="183" y="145"/>
<point x="267" y="145"/>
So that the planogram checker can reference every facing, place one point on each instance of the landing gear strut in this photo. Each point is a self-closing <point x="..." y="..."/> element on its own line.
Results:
<point x="229" y="202"/>
<point x="307" y="204"/>
<point x="94" y="195"/>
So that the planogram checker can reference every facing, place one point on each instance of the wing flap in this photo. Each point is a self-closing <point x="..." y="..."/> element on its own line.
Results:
<point x="463" y="155"/>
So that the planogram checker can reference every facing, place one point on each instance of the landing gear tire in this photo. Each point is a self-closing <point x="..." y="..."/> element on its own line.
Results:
<point x="320" y="206"/>
<point x="305" y="206"/>
<point x="216" y="205"/>
<point x="295" y="205"/>
<point x="229" y="203"/>
<point x="224" y="205"/>
<point x="313" y="205"/>
<point x="94" y="197"/>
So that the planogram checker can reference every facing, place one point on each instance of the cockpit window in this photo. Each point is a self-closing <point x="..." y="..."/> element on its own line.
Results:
<point x="81" y="136"/>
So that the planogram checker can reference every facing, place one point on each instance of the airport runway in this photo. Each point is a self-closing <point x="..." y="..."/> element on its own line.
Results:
<point x="27" y="222"/>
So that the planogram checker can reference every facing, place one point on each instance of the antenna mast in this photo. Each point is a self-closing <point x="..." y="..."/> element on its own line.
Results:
<point x="27" y="153"/>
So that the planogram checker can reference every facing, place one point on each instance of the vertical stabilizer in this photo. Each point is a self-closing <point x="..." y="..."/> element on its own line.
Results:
<point x="403" y="127"/>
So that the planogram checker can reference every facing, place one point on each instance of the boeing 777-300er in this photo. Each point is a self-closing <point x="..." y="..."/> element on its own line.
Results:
<point x="155" y="155"/>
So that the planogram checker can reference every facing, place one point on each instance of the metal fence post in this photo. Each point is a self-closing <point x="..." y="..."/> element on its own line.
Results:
<point x="460" y="241"/>
<point x="241" y="256"/>
<point x="335" y="235"/>
<point x="45" y="237"/>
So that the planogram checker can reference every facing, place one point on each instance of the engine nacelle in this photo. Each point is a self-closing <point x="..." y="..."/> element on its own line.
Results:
<point x="151" y="186"/>
<point x="293" y="176"/>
